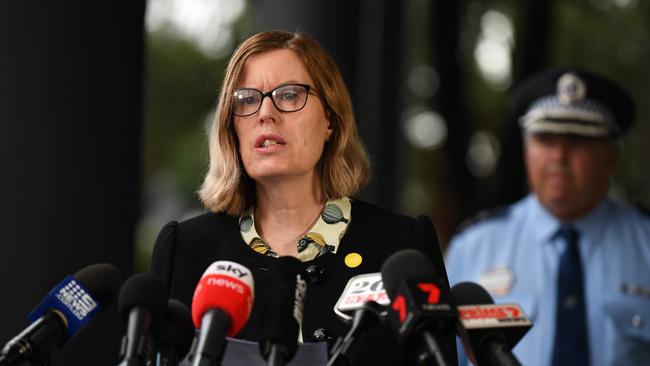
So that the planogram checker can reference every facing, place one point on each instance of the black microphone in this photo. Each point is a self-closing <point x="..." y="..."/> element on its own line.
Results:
<point x="66" y="309"/>
<point x="369" y="316"/>
<point x="359" y="290"/>
<point x="489" y="331"/>
<point x="173" y="334"/>
<point x="361" y="304"/>
<point x="421" y="310"/>
<point x="142" y="301"/>
<point x="283" y="314"/>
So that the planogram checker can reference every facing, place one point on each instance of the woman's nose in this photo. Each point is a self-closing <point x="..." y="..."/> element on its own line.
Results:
<point x="267" y="111"/>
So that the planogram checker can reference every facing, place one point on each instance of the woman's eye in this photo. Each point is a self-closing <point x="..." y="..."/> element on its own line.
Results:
<point x="289" y="96"/>
<point x="246" y="97"/>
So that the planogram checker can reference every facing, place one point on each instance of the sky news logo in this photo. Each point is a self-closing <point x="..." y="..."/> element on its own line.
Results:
<point x="75" y="299"/>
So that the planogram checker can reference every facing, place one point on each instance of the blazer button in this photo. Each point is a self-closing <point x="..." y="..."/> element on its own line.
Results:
<point x="321" y="335"/>
<point x="315" y="273"/>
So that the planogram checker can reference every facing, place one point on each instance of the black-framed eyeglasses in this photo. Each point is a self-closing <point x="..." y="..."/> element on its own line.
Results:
<point x="286" y="98"/>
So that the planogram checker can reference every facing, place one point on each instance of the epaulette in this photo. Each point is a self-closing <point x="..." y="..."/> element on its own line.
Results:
<point x="484" y="215"/>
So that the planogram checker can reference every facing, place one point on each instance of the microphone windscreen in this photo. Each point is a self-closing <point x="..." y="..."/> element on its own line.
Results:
<point x="102" y="280"/>
<point x="284" y="271"/>
<point x="229" y="287"/>
<point x="283" y="314"/>
<point x="281" y="320"/>
<point x="175" y="331"/>
<point x="470" y="293"/>
<point x="144" y="290"/>
<point x="405" y="264"/>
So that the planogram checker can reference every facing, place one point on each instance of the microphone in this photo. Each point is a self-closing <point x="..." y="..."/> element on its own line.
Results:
<point x="64" y="311"/>
<point x="283" y="314"/>
<point x="359" y="290"/>
<point x="369" y="316"/>
<point x="365" y="298"/>
<point x="142" y="301"/>
<point x="420" y="310"/>
<point x="490" y="331"/>
<point x="174" y="334"/>
<point x="221" y="305"/>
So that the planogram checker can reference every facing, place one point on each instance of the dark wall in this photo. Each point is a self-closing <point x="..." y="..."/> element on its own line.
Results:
<point x="70" y="93"/>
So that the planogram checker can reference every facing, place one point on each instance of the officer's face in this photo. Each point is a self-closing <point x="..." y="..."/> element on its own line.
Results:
<point x="568" y="173"/>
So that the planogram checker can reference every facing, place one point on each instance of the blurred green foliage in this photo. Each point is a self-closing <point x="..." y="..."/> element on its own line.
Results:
<point x="181" y="87"/>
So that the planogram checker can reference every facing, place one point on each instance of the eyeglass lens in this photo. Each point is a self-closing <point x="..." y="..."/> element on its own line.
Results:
<point x="286" y="98"/>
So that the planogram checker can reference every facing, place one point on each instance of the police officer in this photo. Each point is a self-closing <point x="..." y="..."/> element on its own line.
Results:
<point x="577" y="261"/>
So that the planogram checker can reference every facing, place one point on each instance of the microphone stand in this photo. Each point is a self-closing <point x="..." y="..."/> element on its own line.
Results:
<point x="433" y="349"/>
<point x="134" y="343"/>
<point x="275" y="357"/>
<point x="167" y="358"/>
<point x="40" y="361"/>
<point x="211" y="343"/>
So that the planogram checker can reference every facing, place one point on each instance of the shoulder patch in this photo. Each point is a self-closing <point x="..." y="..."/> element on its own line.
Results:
<point x="482" y="216"/>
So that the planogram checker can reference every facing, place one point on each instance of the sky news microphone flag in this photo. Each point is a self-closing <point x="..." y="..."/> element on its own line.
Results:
<point x="221" y="305"/>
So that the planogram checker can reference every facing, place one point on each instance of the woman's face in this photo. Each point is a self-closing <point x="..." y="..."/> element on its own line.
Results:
<point x="280" y="145"/>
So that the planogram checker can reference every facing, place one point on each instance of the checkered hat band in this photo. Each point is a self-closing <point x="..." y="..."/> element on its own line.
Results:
<point x="584" y="117"/>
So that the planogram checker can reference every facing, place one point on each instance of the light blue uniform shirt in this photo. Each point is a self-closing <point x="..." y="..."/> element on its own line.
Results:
<point x="515" y="255"/>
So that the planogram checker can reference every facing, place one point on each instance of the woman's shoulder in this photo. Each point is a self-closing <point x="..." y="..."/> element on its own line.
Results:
<point x="208" y="218"/>
<point x="377" y="214"/>
<point x="192" y="232"/>
<point x="183" y="244"/>
<point x="200" y="225"/>
<point x="370" y="220"/>
<point x="366" y="208"/>
<point x="383" y="232"/>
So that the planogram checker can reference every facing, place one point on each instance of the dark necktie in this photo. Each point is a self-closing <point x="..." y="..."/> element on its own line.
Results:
<point x="571" y="343"/>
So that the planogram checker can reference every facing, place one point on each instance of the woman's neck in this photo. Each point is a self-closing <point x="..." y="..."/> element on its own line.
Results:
<point x="285" y="212"/>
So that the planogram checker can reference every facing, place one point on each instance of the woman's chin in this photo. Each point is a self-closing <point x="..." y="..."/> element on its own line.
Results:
<point x="276" y="175"/>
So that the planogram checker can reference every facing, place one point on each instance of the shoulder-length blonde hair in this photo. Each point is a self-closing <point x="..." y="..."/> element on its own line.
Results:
<point x="343" y="167"/>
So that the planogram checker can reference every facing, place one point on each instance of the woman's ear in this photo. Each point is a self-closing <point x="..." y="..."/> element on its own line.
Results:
<point x="330" y="130"/>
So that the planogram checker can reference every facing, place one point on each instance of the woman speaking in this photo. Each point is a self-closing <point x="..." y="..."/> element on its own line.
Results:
<point x="285" y="162"/>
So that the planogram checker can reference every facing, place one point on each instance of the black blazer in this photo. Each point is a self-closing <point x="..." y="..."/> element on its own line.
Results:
<point x="184" y="250"/>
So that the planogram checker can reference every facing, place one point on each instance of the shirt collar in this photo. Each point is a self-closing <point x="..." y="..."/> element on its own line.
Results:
<point x="545" y="226"/>
<point x="323" y="237"/>
<point x="592" y="224"/>
<point x="542" y="223"/>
